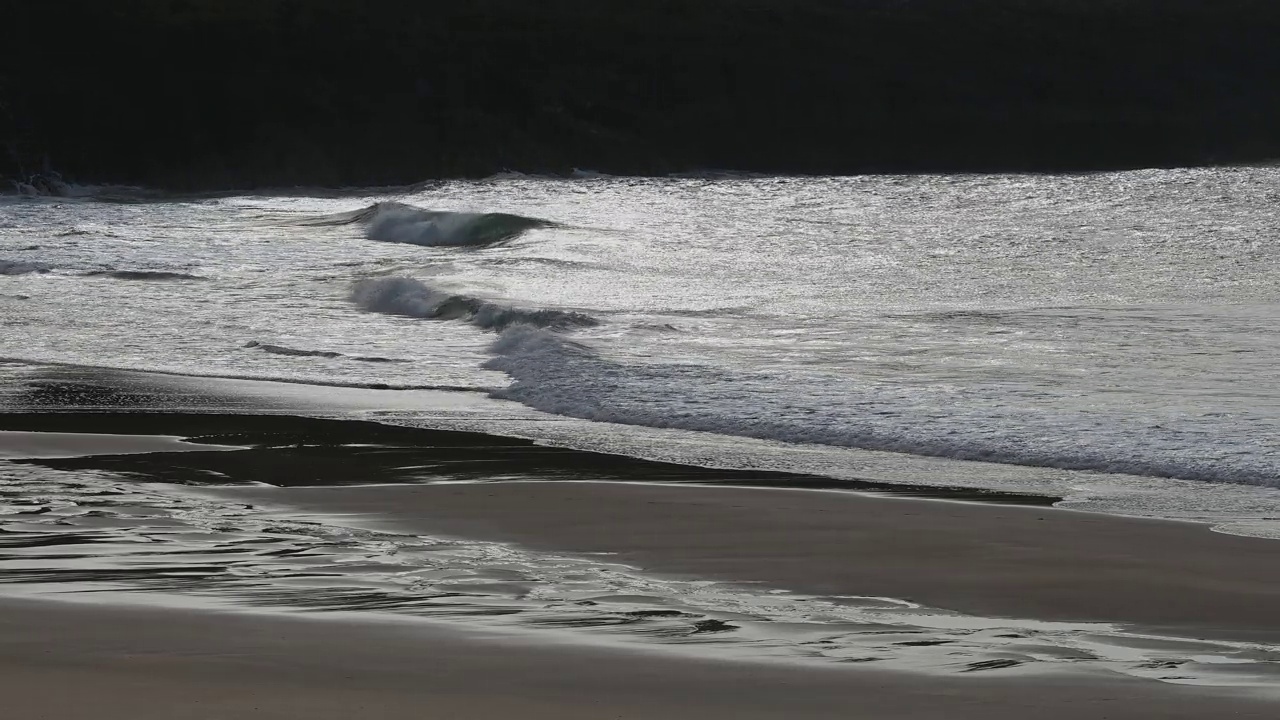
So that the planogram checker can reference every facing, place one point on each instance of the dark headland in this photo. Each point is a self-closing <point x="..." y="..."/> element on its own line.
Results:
<point x="199" y="95"/>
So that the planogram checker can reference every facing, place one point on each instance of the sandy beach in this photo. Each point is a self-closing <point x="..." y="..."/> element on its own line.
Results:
<point x="19" y="444"/>
<point x="884" y="360"/>
<point x="170" y="659"/>
<point x="990" y="560"/>
<point x="72" y="662"/>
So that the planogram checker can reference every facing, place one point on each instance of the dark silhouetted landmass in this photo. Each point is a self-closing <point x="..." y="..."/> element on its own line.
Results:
<point x="199" y="94"/>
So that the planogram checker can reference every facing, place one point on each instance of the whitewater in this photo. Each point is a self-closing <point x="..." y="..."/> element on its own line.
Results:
<point x="1108" y="338"/>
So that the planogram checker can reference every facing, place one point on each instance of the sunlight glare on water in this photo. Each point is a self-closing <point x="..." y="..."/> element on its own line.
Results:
<point x="1118" y="322"/>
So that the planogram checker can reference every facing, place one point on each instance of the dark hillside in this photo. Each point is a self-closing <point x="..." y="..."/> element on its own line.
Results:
<point x="199" y="94"/>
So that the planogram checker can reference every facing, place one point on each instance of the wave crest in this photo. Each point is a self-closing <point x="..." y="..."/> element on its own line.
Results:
<point x="400" y="223"/>
<point x="409" y="297"/>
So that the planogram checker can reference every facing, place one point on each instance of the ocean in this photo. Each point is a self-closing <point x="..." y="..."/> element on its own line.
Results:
<point x="1109" y="338"/>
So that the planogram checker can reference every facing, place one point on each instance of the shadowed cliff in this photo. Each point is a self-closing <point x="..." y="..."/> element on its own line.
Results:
<point x="199" y="94"/>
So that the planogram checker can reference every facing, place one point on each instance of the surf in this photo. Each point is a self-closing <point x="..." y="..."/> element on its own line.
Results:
<point x="557" y="374"/>
<point x="411" y="298"/>
<point x="394" y="222"/>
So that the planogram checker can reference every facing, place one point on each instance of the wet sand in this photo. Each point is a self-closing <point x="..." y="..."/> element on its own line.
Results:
<point x="980" y="559"/>
<point x="991" y="559"/>
<point x="289" y="450"/>
<point x="86" y="662"/>
<point x="16" y="444"/>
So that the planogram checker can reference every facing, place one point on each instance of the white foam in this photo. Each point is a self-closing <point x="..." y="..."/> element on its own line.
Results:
<point x="553" y="374"/>
<point x="51" y="184"/>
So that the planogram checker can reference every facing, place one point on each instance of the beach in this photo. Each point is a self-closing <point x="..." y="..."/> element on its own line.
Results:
<point x="987" y="560"/>
<point x="710" y="445"/>
<point x="172" y="656"/>
<point x="71" y="662"/>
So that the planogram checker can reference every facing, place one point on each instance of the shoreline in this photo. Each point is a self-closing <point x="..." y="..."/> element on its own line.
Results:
<point x="1020" y="571"/>
<point x="493" y="488"/>
<point x="528" y="458"/>
<point x="18" y="445"/>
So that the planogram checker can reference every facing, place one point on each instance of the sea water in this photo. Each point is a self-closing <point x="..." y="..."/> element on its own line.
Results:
<point x="1112" y="323"/>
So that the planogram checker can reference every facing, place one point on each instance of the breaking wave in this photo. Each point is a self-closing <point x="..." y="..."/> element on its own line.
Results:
<point x="409" y="297"/>
<point x="399" y="223"/>
<point x="554" y="374"/>
<point x="295" y="352"/>
<point x="45" y="184"/>
<point x="50" y="184"/>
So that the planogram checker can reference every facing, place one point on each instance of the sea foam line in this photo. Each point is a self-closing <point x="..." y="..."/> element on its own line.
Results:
<point x="555" y="374"/>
